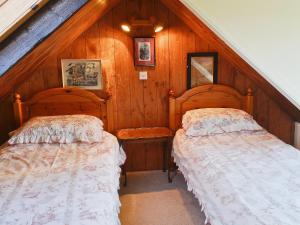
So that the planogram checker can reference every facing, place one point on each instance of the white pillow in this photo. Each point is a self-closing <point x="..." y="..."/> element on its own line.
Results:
<point x="207" y="121"/>
<point x="59" y="129"/>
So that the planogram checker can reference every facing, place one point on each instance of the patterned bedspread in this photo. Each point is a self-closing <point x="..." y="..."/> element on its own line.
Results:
<point x="59" y="184"/>
<point x="246" y="178"/>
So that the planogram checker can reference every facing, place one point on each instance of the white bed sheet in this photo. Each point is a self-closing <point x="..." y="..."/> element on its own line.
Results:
<point x="58" y="184"/>
<point x="245" y="178"/>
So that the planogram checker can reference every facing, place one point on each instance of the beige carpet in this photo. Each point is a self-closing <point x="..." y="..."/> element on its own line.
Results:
<point x="149" y="199"/>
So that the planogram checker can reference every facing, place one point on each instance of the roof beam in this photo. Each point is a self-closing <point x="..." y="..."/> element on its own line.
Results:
<point x="56" y="42"/>
<point x="198" y="26"/>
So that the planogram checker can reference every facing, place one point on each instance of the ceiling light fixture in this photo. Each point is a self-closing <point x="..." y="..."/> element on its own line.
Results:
<point x="158" y="28"/>
<point x="133" y="23"/>
<point x="125" y="27"/>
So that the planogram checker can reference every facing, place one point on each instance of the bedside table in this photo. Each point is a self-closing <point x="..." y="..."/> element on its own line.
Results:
<point x="145" y="135"/>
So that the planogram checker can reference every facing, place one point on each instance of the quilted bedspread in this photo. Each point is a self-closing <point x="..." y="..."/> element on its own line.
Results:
<point x="59" y="184"/>
<point x="245" y="178"/>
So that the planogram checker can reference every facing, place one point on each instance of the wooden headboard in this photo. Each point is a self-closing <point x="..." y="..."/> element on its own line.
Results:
<point x="65" y="101"/>
<point x="207" y="96"/>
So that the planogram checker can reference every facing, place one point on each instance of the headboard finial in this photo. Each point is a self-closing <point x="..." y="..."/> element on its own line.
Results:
<point x="17" y="97"/>
<point x="171" y="93"/>
<point x="249" y="92"/>
<point x="18" y="109"/>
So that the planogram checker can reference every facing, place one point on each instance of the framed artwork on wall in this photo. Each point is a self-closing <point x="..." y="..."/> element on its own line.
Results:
<point x="144" y="52"/>
<point x="82" y="73"/>
<point x="202" y="68"/>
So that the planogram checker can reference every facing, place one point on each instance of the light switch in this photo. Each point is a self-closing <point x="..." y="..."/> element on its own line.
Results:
<point x="143" y="75"/>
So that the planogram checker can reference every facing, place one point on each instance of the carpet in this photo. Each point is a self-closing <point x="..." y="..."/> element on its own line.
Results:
<point x="149" y="199"/>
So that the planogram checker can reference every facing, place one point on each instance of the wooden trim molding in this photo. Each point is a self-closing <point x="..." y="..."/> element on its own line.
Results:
<point x="199" y="27"/>
<point x="56" y="42"/>
<point x="207" y="96"/>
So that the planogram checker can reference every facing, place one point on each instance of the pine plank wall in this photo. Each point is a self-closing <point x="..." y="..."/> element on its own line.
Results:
<point x="145" y="103"/>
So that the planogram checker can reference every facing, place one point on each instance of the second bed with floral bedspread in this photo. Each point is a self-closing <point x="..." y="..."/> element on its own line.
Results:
<point x="246" y="177"/>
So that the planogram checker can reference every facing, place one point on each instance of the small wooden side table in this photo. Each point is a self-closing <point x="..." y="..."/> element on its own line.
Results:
<point x="147" y="134"/>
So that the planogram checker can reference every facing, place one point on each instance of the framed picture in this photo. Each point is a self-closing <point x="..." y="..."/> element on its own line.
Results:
<point x="202" y="68"/>
<point x="82" y="73"/>
<point x="144" y="52"/>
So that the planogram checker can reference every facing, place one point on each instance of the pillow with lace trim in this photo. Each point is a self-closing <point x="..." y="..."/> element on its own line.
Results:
<point x="59" y="129"/>
<point x="207" y="121"/>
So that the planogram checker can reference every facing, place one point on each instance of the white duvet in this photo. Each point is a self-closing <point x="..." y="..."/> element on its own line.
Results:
<point x="242" y="178"/>
<point x="61" y="184"/>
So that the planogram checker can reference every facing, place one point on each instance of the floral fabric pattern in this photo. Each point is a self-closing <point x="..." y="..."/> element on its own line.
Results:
<point x="247" y="177"/>
<point x="207" y="121"/>
<point x="58" y="184"/>
<point x="59" y="129"/>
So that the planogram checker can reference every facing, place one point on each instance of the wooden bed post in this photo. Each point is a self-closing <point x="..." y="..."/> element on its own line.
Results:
<point x="18" y="114"/>
<point x="249" y="101"/>
<point x="172" y="100"/>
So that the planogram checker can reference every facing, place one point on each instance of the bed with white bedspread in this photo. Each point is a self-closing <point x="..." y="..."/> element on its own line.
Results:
<point x="61" y="167"/>
<point x="240" y="173"/>
<point x="247" y="177"/>
<point x="43" y="184"/>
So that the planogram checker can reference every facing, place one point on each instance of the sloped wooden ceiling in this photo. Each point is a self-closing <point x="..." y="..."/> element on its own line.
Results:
<point x="262" y="32"/>
<point x="199" y="27"/>
<point x="94" y="10"/>
<point x="56" y="42"/>
<point x="145" y="103"/>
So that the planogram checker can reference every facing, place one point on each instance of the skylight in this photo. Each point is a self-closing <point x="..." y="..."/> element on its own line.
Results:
<point x="14" y="12"/>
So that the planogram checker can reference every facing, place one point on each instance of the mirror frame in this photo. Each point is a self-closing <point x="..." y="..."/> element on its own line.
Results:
<point x="201" y="54"/>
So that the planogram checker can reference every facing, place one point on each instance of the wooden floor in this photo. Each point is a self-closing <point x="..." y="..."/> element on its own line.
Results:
<point x="150" y="200"/>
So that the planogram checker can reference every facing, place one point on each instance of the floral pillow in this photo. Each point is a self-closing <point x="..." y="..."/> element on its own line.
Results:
<point x="59" y="129"/>
<point x="201" y="122"/>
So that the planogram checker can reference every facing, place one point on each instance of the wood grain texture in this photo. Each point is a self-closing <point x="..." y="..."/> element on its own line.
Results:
<point x="207" y="96"/>
<point x="135" y="136"/>
<point x="62" y="37"/>
<point x="63" y="101"/>
<point x="145" y="103"/>
<point x="144" y="133"/>
<point x="219" y="45"/>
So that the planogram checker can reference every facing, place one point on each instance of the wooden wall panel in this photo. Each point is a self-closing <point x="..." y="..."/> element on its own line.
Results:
<point x="6" y="119"/>
<point x="267" y="112"/>
<point x="145" y="103"/>
<point x="216" y="43"/>
<point x="176" y="55"/>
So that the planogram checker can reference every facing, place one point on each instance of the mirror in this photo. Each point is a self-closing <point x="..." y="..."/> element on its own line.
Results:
<point x="202" y="69"/>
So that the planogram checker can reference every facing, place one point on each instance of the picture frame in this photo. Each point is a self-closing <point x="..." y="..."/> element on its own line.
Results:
<point x="82" y="73"/>
<point x="202" y="68"/>
<point x="144" y="51"/>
